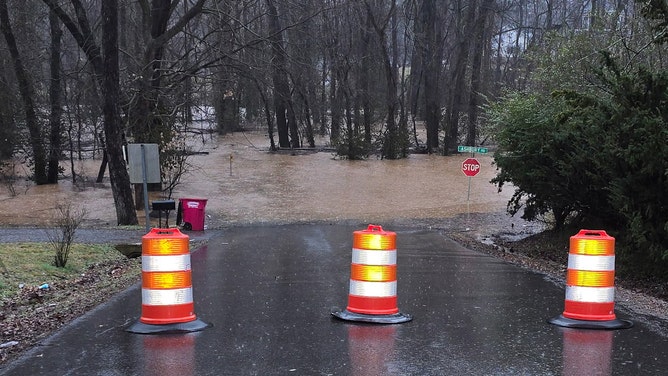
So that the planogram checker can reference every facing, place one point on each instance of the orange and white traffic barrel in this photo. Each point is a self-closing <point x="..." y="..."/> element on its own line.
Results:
<point x="373" y="279"/>
<point x="590" y="283"/>
<point x="167" y="295"/>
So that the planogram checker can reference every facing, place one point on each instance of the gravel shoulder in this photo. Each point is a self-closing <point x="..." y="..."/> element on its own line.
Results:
<point x="646" y="302"/>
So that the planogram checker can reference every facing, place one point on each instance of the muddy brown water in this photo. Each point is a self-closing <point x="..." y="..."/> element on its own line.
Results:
<point x="244" y="183"/>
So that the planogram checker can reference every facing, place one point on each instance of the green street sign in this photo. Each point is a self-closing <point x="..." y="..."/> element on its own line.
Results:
<point x="471" y="149"/>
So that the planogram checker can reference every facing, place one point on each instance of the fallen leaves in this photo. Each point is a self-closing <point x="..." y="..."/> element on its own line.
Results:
<point x="34" y="313"/>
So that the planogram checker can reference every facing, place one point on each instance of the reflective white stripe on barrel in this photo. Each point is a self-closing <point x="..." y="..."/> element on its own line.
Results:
<point x="166" y="297"/>
<point x="171" y="263"/>
<point x="373" y="289"/>
<point x="590" y="294"/>
<point x="373" y="257"/>
<point x="591" y="263"/>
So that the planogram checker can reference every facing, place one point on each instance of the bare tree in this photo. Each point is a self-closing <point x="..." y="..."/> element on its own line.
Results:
<point x="286" y="122"/>
<point x="27" y="97"/>
<point x="479" y="50"/>
<point x="55" y="96"/>
<point x="107" y="75"/>
<point x="392" y="143"/>
<point x="337" y="66"/>
<point x="149" y="113"/>
<point x="427" y="68"/>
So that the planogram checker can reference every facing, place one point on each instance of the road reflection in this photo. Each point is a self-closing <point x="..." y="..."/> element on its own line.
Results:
<point x="370" y="348"/>
<point x="587" y="352"/>
<point x="169" y="355"/>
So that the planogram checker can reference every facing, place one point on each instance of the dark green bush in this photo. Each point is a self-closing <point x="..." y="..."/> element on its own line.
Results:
<point x="533" y="152"/>
<point x="597" y="158"/>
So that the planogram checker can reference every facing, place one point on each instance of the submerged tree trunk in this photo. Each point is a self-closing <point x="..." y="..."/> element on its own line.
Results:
<point x="310" y="134"/>
<point x="479" y="45"/>
<point x="55" y="96"/>
<point x="392" y="142"/>
<point x="365" y="84"/>
<point x="431" y="53"/>
<point x="461" y="59"/>
<point x="267" y="114"/>
<point x="335" y="105"/>
<point x="285" y="118"/>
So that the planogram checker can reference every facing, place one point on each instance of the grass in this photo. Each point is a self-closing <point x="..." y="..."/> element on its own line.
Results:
<point x="32" y="264"/>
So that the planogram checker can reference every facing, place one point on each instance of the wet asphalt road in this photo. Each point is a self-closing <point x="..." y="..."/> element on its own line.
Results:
<point x="268" y="292"/>
<point x="84" y="235"/>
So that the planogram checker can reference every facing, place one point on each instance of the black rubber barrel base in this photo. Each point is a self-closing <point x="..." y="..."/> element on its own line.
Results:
<point x="589" y="324"/>
<point x="182" y="327"/>
<point x="396" y="318"/>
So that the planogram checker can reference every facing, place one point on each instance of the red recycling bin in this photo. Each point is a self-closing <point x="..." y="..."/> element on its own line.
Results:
<point x="191" y="213"/>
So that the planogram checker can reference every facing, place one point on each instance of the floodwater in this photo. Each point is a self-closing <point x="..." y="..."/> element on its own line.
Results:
<point x="245" y="183"/>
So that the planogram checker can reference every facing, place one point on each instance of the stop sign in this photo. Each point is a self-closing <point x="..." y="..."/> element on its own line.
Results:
<point x="471" y="167"/>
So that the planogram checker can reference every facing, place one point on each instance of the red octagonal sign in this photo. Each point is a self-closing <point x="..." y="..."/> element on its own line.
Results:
<point x="471" y="167"/>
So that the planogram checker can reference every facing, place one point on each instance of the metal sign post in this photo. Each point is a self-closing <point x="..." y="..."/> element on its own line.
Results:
<point x="470" y="168"/>
<point x="468" y="207"/>
<point x="144" y="168"/>
<point x="145" y="184"/>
